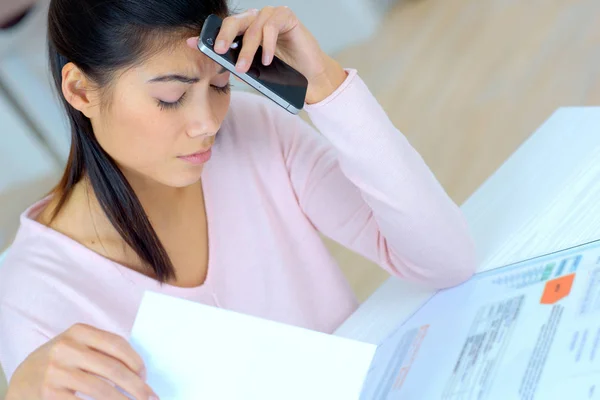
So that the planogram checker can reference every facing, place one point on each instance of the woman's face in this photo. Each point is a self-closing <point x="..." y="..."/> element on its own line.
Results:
<point x="163" y="116"/>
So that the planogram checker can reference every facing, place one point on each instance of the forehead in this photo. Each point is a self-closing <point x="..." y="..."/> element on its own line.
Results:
<point x="179" y="59"/>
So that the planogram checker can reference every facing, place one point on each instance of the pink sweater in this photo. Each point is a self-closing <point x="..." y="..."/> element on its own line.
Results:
<point x="272" y="185"/>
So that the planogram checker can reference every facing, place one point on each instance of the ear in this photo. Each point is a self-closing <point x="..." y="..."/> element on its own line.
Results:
<point x="78" y="90"/>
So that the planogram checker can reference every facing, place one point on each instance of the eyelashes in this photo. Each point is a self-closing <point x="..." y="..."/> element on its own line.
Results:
<point x="222" y="89"/>
<point x="164" y="105"/>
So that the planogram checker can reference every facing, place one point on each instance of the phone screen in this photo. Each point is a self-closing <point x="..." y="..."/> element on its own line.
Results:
<point x="278" y="77"/>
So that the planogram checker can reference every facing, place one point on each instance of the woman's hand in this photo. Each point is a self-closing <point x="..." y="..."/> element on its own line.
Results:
<point x="84" y="360"/>
<point x="280" y="33"/>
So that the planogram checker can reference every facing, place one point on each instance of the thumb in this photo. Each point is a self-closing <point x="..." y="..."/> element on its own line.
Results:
<point x="193" y="42"/>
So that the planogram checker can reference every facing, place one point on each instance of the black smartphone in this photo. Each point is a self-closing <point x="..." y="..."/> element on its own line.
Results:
<point x="278" y="81"/>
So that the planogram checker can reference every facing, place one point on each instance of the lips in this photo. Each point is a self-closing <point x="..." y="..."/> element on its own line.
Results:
<point x="198" y="158"/>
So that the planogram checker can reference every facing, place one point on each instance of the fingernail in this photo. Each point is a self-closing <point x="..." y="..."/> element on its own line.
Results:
<point x="241" y="64"/>
<point x="266" y="59"/>
<point x="220" y="45"/>
<point x="154" y="397"/>
<point x="144" y="373"/>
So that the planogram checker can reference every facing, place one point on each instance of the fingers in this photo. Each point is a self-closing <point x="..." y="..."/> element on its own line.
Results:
<point x="62" y="394"/>
<point x="116" y="372"/>
<point x="253" y="38"/>
<point x="258" y="27"/>
<point x="105" y="355"/>
<point x="232" y="27"/>
<point x="269" y="42"/>
<point x="89" y="385"/>
<point x="78" y="359"/>
<point x="110" y="344"/>
<point x="280" y="21"/>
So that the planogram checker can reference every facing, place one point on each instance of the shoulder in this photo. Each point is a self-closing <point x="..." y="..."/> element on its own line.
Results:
<point x="51" y="283"/>
<point x="39" y="295"/>
<point x="35" y="277"/>
<point x="34" y="299"/>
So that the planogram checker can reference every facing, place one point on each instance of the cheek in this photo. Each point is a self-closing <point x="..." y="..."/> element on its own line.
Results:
<point x="137" y="135"/>
<point x="221" y="104"/>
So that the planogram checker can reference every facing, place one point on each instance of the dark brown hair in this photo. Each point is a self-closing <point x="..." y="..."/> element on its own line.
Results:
<point x="102" y="38"/>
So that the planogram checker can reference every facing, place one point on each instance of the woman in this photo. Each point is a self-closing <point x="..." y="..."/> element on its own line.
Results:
<point x="141" y="207"/>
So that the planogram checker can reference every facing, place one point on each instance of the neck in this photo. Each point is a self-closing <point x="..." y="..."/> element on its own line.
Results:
<point x="83" y="219"/>
<point x="164" y="205"/>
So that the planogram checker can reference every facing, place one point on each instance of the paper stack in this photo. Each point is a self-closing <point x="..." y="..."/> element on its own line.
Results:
<point x="547" y="207"/>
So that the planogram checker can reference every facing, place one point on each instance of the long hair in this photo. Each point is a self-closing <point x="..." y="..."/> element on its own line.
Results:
<point x="102" y="38"/>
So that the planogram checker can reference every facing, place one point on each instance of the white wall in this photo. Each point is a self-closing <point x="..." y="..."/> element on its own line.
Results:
<point x="335" y="23"/>
<point x="24" y="73"/>
<point x="27" y="171"/>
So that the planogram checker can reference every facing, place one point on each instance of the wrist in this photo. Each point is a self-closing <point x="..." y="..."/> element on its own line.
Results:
<point x="323" y="85"/>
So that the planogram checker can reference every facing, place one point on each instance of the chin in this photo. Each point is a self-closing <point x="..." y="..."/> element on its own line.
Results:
<point x="185" y="178"/>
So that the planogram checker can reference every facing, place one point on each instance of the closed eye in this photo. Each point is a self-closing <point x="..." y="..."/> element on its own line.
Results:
<point x="222" y="89"/>
<point x="165" y="105"/>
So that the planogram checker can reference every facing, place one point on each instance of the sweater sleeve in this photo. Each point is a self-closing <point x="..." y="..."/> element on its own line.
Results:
<point x="363" y="185"/>
<point x="19" y="336"/>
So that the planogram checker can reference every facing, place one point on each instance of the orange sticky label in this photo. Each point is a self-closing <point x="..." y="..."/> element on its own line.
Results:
<point x="557" y="289"/>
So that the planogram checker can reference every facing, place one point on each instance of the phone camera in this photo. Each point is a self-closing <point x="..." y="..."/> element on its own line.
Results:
<point x="210" y="41"/>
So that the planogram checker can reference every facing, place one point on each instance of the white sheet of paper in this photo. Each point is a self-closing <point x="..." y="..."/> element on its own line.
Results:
<point x="196" y="352"/>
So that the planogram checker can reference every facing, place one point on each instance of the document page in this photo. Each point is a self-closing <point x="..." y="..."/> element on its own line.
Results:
<point x="193" y="351"/>
<point x="526" y="331"/>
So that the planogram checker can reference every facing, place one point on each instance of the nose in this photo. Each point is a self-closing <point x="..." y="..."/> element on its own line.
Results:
<point x="203" y="122"/>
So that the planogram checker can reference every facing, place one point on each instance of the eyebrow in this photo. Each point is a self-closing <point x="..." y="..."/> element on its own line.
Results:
<point x="180" y="78"/>
<point x="174" y="78"/>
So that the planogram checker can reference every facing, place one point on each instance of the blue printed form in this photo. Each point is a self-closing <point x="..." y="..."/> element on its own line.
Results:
<point x="526" y="331"/>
